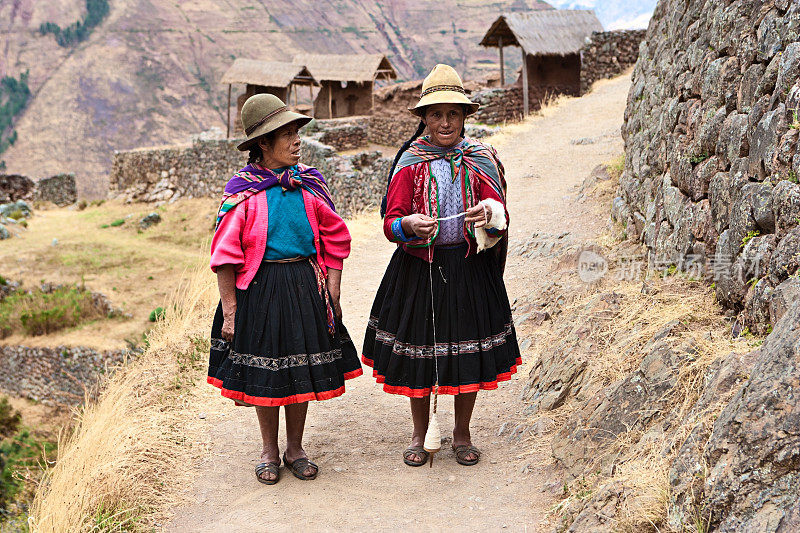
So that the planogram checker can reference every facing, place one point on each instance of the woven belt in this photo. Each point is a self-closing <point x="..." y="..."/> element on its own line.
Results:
<point x="288" y="260"/>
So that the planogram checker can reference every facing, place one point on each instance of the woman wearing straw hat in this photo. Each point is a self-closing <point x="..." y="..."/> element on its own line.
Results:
<point x="278" y="248"/>
<point x="441" y="318"/>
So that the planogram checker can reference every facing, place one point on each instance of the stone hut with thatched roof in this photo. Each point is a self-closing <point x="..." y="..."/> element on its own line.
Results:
<point x="273" y="77"/>
<point x="551" y="42"/>
<point x="346" y="81"/>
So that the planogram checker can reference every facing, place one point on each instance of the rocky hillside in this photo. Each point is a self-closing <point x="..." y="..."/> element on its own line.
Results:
<point x="711" y="187"/>
<point x="149" y="73"/>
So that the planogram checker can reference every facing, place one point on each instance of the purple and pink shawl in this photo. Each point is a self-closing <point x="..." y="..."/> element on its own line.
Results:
<point x="254" y="179"/>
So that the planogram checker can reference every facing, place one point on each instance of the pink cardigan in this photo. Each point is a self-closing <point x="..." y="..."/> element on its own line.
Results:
<point x="241" y="238"/>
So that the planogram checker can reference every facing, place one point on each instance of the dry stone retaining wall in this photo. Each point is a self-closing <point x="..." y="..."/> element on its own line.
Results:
<point x="341" y="133"/>
<point x="57" y="375"/>
<point x="498" y="105"/>
<point x="608" y="54"/>
<point x="711" y="172"/>
<point x="202" y="170"/>
<point x="59" y="189"/>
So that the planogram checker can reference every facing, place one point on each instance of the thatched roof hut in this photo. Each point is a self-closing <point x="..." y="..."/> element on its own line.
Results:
<point x="272" y="77"/>
<point x="551" y="41"/>
<point x="346" y="81"/>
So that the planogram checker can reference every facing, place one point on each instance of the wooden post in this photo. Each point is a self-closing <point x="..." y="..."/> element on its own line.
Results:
<point x="311" y="97"/>
<point x="524" y="83"/>
<point x="330" y="99"/>
<point x="502" y="65"/>
<point x="294" y="92"/>
<point x="228" y="135"/>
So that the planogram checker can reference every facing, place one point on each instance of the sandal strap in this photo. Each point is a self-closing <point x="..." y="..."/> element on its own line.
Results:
<point x="464" y="450"/>
<point x="299" y="466"/>
<point x="415" y="450"/>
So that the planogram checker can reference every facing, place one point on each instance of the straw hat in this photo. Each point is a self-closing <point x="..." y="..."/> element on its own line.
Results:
<point x="443" y="86"/>
<point x="263" y="113"/>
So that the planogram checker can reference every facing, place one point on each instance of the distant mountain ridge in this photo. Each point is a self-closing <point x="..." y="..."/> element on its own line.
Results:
<point x="149" y="73"/>
<point x="615" y="14"/>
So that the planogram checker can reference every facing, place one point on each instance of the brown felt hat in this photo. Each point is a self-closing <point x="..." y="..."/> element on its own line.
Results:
<point x="443" y="86"/>
<point x="264" y="113"/>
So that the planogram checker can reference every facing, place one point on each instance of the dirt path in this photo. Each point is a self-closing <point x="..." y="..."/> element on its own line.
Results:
<point x="357" y="438"/>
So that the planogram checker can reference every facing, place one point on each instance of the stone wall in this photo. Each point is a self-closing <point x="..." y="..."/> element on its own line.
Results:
<point x="156" y="175"/>
<point x="498" y="105"/>
<point x="60" y="189"/>
<point x="203" y="168"/>
<point x="711" y="171"/>
<point x="608" y="54"/>
<point x="392" y="130"/>
<point x="14" y="187"/>
<point x="357" y="182"/>
<point x="57" y="375"/>
<point x="342" y="133"/>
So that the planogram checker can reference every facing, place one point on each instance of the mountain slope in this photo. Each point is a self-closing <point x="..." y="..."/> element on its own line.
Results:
<point x="615" y="14"/>
<point x="149" y="74"/>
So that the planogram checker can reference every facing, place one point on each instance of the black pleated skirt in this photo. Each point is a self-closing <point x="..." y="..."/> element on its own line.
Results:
<point x="476" y="344"/>
<point x="282" y="352"/>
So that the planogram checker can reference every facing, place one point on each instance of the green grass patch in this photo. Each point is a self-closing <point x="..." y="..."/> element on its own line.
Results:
<point x="750" y="236"/>
<point x="616" y="166"/>
<point x="156" y="314"/>
<point x="108" y="519"/>
<point x="39" y="313"/>
<point x="699" y="158"/>
<point x="117" y="223"/>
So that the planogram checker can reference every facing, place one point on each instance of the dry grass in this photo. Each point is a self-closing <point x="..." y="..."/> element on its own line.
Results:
<point x="122" y="462"/>
<point x="644" y="307"/>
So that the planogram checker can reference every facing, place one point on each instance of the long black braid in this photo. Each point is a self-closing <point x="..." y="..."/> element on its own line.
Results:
<point x="405" y="147"/>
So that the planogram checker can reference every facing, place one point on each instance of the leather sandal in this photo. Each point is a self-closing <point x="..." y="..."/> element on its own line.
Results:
<point x="415" y="450"/>
<point x="298" y="467"/>
<point x="463" y="451"/>
<point x="272" y="468"/>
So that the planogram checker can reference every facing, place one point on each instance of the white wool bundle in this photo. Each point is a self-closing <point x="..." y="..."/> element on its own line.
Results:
<point x="484" y="240"/>
<point x="433" y="437"/>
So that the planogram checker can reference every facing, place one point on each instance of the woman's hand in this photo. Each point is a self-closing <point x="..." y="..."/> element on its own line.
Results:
<point x="226" y="279"/>
<point x="420" y="225"/>
<point x="334" y="283"/>
<point x="480" y="215"/>
<point x="228" y="320"/>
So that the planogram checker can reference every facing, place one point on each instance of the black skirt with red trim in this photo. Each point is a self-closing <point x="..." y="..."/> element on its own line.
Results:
<point x="476" y="344"/>
<point x="282" y="352"/>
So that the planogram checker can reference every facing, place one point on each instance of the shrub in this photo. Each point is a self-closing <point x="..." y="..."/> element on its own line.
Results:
<point x="9" y="418"/>
<point x="157" y="314"/>
<point x="16" y="214"/>
<point x="40" y="313"/>
<point x="118" y="222"/>
<point x="78" y="31"/>
<point x="19" y="454"/>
